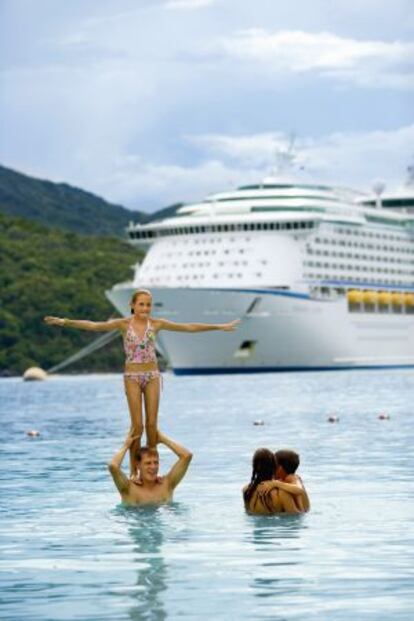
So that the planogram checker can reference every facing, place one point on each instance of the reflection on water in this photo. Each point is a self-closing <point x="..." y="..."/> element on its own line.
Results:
<point x="276" y="544"/>
<point x="145" y="529"/>
<point x="148" y="529"/>
<point x="268" y="528"/>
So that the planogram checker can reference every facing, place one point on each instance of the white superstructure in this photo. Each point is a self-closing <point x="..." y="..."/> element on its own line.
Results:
<point x="320" y="277"/>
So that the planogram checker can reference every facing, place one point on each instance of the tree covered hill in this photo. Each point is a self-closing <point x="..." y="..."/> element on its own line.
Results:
<point x="62" y="206"/>
<point x="46" y="271"/>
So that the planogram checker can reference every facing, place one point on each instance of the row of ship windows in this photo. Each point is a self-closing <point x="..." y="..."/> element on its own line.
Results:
<point x="209" y="240"/>
<point x="361" y="279"/>
<point x="222" y="228"/>
<point x="367" y="257"/>
<point x="406" y="248"/>
<point x="362" y="233"/>
<point x="182" y="277"/>
<point x="198" y="253"/>
<point x="359" y="268"/>
<point x="169" y="266"/>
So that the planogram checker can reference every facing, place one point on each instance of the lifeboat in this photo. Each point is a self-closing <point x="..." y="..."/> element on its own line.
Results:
<point x="384" y="298"/>
<point x="397" y="299"/>
<point x="355" y="297"/>
<point x="370" y="297"/>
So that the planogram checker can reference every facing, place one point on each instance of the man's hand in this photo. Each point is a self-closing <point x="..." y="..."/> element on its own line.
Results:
<point x="231" y="326"/>
<point x="263" y="489"/>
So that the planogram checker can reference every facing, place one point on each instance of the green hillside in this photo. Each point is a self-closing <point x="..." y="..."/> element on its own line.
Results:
<point x="62" y="206"/>
<point x="47" y="271"/>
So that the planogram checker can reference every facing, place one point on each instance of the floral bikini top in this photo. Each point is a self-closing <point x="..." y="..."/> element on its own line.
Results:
<point x="140" y="350"/>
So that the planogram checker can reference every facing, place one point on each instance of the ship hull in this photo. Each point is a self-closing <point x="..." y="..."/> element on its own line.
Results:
<point x="279" y="331"/>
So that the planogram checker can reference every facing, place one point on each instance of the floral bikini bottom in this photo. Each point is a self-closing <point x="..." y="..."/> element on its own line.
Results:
<point x="143" y="378"/>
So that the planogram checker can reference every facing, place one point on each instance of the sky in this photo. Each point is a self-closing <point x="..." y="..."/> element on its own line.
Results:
<point x="151" y="102"/>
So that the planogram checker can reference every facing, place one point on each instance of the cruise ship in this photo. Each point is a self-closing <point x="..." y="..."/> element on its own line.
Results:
<point x="321" y="278"/>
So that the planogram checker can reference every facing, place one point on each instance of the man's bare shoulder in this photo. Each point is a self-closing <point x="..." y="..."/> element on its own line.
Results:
<point x="294" y="478"/>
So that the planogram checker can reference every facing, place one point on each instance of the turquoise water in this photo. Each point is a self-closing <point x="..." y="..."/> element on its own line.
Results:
<point x="70" y="551"/>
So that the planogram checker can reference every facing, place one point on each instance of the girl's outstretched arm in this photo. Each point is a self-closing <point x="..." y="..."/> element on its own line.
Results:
<point x="83" y="324"/>
<point x="164" y="324"/>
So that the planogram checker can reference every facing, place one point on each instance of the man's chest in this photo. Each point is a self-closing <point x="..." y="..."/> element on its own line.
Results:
<point x="138" y="494"/>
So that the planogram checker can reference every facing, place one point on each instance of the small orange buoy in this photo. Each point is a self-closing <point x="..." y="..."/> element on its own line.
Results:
<point x="383" y="416"/>
<point x="333" y="419"/>
<point x="33" y="433"/>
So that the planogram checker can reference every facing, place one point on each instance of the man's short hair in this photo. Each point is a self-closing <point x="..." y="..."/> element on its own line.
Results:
<point x="289" y="460"/>
<point x="145" y="450"/>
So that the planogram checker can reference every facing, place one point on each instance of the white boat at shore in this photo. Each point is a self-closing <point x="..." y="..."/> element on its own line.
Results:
<point x="321" y="278"/>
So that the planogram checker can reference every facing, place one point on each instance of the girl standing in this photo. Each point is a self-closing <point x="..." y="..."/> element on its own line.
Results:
<point x="142" y="377"/>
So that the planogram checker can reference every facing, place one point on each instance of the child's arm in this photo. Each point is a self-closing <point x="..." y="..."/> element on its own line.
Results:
<point x="164" y="324"/>
<point x="83" y="324"/>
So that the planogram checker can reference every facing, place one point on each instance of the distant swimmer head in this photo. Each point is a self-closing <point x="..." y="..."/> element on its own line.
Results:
<point x="333" y="418"/>
<point x="141" y="302"/>
<point x="286" y="462"/>
<point x="148" y="463"/>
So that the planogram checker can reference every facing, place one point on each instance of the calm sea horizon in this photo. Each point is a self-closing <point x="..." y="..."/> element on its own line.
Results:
<point x="70" y="550"/>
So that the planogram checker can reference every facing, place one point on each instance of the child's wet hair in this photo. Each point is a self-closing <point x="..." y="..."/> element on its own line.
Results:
<point x="136" y="295"/>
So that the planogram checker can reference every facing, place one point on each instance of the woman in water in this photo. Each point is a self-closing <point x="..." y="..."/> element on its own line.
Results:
<point x="142" y="378"/>
<point x="276" y="500"/>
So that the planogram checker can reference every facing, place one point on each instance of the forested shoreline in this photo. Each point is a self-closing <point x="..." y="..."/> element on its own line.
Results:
<point x="48" y="271"/>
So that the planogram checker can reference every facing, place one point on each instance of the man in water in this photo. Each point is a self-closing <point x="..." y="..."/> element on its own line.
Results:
<point x="150" y="489"/>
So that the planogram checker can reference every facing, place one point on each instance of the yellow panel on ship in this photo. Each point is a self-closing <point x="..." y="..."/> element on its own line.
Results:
<point x="355" y="297"/>
<point x="370" y="297"/>
<point x="384" y="298"/>
<point x="397" y="299"/>
<point x="409" y="299"/>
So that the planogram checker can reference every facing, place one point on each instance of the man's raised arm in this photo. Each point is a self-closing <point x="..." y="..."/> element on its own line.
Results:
<point x="120" y="479"/>
<point x="180" y="467"/>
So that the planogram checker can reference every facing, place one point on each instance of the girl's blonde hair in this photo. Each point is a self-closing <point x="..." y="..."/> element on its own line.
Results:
<point x="136" y="295"/>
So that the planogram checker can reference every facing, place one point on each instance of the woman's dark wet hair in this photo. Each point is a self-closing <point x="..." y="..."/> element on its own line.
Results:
<point x="263" y="465"/>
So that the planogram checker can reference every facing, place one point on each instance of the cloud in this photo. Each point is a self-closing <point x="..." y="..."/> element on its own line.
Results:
<point x="252" y="150"/>
<point x="367" y="63"/>
<point x="188" y="5"/>
<point x="146" y="104"/>
<point x="144" y="185"/>
<point x="354" y="159"/>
